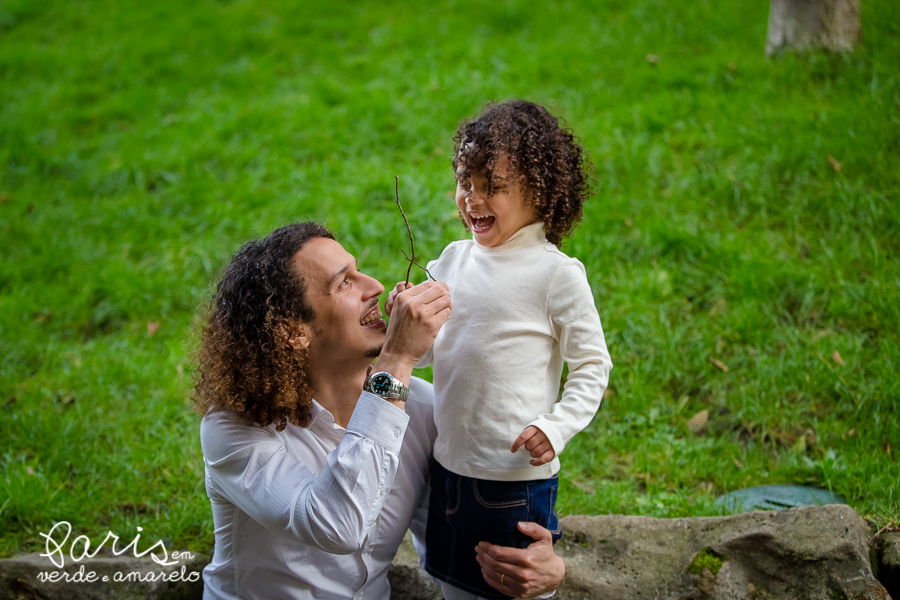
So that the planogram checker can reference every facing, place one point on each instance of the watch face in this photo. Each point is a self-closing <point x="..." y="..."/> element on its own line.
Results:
<point x="382" y="384"/>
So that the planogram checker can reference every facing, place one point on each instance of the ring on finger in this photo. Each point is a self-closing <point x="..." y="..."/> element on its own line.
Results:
<point x="502" y="575"/>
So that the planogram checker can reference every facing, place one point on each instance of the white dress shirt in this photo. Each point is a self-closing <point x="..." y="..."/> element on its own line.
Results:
<point x="519" y="310"/>
<point x="316" y="512"/>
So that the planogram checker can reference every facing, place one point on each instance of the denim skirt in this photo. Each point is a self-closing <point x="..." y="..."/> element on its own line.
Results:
<point x="464" y="511"/>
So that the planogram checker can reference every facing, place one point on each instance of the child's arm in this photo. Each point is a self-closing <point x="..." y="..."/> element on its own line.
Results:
<point x="576" y="324"/>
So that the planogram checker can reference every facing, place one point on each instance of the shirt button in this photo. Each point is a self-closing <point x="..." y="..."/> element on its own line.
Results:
<point x="396" y="432"/>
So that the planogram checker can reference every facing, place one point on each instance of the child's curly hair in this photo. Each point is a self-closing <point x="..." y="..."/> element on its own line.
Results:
<point x="540" y="152"/>
<point x="247" y="360"/>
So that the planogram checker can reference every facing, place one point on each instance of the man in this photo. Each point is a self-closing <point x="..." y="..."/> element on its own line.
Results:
<point x="313" y="482"/>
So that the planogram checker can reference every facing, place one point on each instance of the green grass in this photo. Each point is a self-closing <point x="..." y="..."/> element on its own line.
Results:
<point x="142" y="144"/>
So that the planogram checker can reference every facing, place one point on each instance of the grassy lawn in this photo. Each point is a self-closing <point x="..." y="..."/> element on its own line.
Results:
<point x="743" y="244"/>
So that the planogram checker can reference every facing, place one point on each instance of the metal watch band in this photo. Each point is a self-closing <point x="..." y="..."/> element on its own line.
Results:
<point x="387" y="386"/>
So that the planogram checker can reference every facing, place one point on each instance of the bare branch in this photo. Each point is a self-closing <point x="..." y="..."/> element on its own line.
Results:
<point x="412" y="244"/>
<point x="872" y="539"/>
<point x="430" y="276"/>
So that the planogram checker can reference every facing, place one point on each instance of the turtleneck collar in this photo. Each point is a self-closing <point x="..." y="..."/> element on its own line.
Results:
<point x="530" y="235"/>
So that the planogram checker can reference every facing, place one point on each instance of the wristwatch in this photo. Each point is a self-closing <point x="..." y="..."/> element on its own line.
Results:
<point x="387" y="386"/>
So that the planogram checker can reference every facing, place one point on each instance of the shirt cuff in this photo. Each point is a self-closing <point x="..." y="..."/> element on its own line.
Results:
<point x="380" y="421"/>
<point x="556" y="442"/>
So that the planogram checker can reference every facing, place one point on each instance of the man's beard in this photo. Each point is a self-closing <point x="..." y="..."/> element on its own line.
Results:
<point x="374" y="352"/>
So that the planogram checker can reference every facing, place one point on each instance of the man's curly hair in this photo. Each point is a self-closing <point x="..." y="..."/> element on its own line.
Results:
<point x="541" y="152"/>
<point x="247" y="362"/>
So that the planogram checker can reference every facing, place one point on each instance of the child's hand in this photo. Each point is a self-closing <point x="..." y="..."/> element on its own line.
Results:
<point x="389" y="303"/>
<point x="536" y="442"/>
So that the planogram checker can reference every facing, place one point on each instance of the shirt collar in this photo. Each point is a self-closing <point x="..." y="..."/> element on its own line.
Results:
<point x="530" y="235"/>
<point x="322" y="421"/>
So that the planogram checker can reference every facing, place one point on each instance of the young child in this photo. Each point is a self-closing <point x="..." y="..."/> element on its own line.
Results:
<point x="521" y="308"/>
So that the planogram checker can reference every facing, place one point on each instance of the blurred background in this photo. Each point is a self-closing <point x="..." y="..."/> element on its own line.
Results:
<point x="742" y="245"/>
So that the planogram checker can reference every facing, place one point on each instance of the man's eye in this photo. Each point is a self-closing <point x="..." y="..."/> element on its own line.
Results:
<point x="344" y="282"/>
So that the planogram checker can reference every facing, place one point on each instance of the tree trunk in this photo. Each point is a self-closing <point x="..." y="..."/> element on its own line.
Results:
<point x="831" y="24"/>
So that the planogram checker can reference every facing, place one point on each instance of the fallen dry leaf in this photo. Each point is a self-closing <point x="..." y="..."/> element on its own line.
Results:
<point x="719" y="364"/>
<point x="836" y="357"/>
<point x="629" y="223"/>
<point x="584" y="487"/>
<point x="152" y="326"/>
<point x="698" y="421"/>
<point x="739" y="464"/>
<point x="834" y="163"/>
<point x="652" y="59"/>
<point x="29" y="470"/>
<point x="851" y="433"/>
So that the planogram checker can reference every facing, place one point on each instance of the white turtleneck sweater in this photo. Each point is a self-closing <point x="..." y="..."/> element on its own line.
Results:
<point x="519" y="310"/>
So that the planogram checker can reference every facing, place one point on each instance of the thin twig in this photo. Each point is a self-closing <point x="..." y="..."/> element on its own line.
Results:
<point x="412" y="244"/>
<point x="430" y="276"/>
<point x="880" y="531"/>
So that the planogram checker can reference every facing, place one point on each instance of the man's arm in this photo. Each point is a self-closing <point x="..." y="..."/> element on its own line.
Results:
<point x="332" y="510"/>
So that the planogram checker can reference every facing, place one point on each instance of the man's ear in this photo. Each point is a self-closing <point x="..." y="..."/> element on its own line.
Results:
<point x="298" y="336"/>
<point x="299" y="340"/>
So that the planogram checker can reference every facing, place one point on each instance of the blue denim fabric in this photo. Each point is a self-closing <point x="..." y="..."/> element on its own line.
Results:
<point x="464" y="511"/>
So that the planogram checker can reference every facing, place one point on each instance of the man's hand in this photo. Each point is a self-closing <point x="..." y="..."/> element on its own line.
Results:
<point x="392" y="296"/>
<point x="418" y="314"/>
<point x="527" y="573"/>
<point x="536" y="442"/>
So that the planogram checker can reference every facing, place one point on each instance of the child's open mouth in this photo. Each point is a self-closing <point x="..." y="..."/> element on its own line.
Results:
<point x="482" y="224"/>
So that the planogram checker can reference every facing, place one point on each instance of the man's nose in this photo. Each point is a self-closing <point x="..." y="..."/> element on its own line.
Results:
<point x="375" y="288"/>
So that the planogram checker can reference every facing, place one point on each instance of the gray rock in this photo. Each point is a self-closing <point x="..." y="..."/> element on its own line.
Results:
<point x="888" y="545"/>
<point x="140" y="579"/>
<point x="805" y="553"/>
<point x="408" y="581"/>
